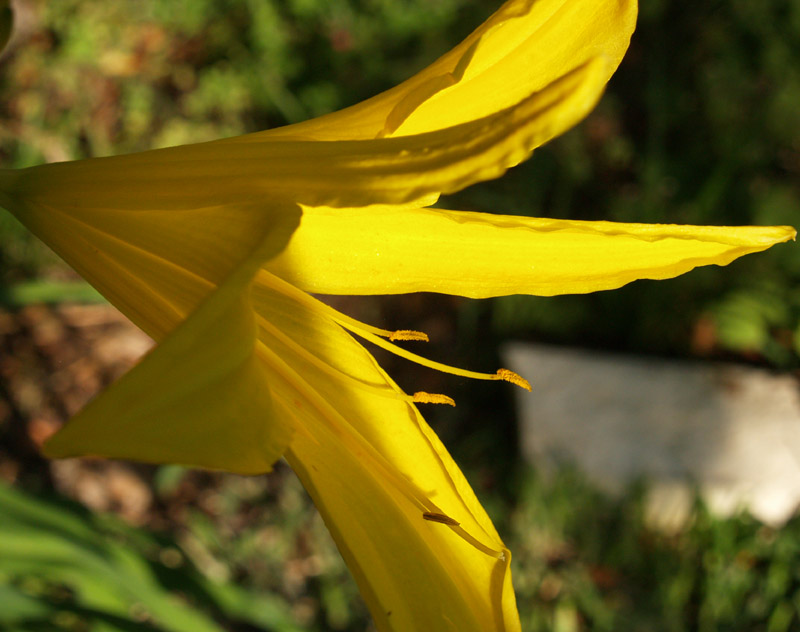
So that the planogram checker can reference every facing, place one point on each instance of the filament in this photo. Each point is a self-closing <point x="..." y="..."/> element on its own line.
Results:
<point x="376" y="335"/>
<point x="338" y="374"/>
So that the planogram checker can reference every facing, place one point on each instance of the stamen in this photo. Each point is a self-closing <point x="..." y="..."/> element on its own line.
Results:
<point x="348" y="322"/>
<point x="499" y="555"/>
<point x="376" y="335"/>
<point x="442" y="518"/>
<point x="377" y="389"/>
<point x="502" y="374"/>
<point x="421" y="397"/>
<point x="339" y="425"/>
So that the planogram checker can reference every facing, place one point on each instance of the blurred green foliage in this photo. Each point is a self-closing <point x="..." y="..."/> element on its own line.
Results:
<point x="581" y="562"/>
<point x="700" y="125"/>
<point x="62" y="567"/>
<point x="586" y="563"/>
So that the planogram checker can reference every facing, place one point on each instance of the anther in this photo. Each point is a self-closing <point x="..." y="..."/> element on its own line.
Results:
<point x="514" y="378"/>
<point x="408" y="334"/>
<point x="421" y="397"/>
<point x="441" y="518"/>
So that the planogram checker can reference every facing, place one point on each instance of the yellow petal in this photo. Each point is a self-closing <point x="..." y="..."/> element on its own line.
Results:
<point x="249" y="172"/>
<point x="383" y="250"/>
<point x="414" y="574"/>
<point x="375" y="469"/>
<point x="200" y="398"/>
<point x="520" y="49"/>
<point x="154" y="261"/>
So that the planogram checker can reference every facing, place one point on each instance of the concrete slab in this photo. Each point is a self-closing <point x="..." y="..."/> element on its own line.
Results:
<point x="731" y="432"/>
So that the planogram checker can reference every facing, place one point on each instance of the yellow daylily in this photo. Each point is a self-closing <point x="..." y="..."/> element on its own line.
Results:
<point x="213" y="249"/>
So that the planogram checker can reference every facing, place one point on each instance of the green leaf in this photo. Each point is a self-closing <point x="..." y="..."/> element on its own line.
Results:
<point x="107" y="574"/>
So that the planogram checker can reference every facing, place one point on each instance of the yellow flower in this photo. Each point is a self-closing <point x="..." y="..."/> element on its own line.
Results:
<point x="213" y="249"/>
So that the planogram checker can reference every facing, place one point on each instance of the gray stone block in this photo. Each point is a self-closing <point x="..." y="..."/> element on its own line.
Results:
<point x="731" y="432"/>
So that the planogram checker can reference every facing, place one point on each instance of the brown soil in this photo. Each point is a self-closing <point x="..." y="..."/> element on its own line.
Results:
<point x="53" y="360"/>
